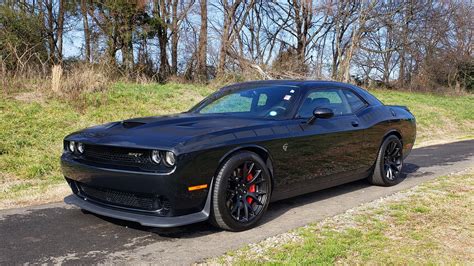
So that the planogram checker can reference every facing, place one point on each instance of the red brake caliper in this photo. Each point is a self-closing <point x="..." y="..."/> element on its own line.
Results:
<point x="251" y="188"/>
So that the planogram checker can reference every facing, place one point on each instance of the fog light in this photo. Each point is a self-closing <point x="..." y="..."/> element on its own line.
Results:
<point x="170" y="158"/>
<point x="80" y="147"/>
<point x="72" y="146"/>
<point x="155" y="156"/>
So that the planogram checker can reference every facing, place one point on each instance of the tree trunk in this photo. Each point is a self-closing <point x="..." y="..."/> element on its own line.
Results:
<point x="112" y="44"/>
<point x="127" y="49"/>
<point x="401" y="72"/>
<point x="162" y="33"/>
<point x="50" y="31"/>
<point x="87" y="35"/>
<point x="60" y="31"/>
<point x="302" y="10"/>
<point x="164" y="65"/>
<point x="174" y="37"/>
<point x="337" y="53"/>
<point x="223" y="48"/>
<point x="404" y="47"/>
<point x="202" y="49"/>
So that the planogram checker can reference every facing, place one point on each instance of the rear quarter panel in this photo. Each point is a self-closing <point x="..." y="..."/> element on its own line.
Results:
<point x="381" y="121"/>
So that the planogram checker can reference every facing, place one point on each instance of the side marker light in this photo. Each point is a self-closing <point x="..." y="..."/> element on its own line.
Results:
<point x="193" y="188"/>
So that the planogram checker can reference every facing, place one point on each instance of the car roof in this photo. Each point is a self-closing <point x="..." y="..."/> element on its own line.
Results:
<point x="304" y="84"/>
<point x="278" y="82"/>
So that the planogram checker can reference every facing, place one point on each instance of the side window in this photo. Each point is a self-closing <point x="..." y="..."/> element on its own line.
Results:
<point x="354" y="101"/>
<point x="325" y="98"/>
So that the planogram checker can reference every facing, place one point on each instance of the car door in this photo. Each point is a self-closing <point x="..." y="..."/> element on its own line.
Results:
<point x="325" y="152"/>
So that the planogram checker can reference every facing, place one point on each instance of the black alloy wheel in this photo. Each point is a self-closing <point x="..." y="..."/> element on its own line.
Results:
<point x="246" y="192"/>
<point x="389" y="163"/>
<point x="241" y="192"/>
<point x="393" y="160"/>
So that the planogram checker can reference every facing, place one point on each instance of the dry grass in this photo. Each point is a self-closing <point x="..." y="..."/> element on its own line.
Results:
<point x="85" y="79"/>
<point x="35" y="195"/>
<point x="56" y="74"/>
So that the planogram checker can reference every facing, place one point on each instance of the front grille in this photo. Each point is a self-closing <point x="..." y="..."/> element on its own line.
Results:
<point x="131" y="200"/>
<point x="118" y="156"/>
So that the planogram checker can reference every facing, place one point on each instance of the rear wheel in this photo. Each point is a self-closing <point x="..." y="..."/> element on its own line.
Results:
<point x="241" y="192"/>
<point x="388" y="167"/>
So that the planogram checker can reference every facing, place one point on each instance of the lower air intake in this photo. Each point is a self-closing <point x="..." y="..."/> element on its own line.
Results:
<point x="126" y="199"/>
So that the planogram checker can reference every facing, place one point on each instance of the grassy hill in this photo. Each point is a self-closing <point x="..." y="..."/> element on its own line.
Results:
<point x="33" y="125"/>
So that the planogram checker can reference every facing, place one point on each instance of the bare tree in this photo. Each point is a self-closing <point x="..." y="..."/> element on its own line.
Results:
<point x="235" y="15"/>
<point x="343" y="16"/>
<point x="302" y="21"/>
<point x="361" y="27"/>
<point x="419" y="44"/>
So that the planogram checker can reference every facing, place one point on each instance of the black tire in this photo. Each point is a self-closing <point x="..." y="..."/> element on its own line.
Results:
<point x="229" y="199"/>
<point x="389" y="163"/>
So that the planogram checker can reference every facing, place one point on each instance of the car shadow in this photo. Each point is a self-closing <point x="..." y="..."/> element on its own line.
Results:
<point x="275" y="210"/>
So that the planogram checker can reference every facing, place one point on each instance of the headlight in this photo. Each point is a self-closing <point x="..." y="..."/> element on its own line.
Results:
<point x="72" y="146"/>
<point x="80" y="147"/>
<point x="170" y="158"/>
<point x="155" y="156"/>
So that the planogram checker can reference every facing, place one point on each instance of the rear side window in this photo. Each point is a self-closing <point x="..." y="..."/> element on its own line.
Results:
<point x="333" y="99"/>
<point x="354" y="101"/>
<point x="332" y="95"/>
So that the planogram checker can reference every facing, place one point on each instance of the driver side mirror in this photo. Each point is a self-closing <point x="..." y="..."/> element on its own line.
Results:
<point x="321" y="113"/>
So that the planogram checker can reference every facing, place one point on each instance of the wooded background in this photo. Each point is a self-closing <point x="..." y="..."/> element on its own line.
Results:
<point x="406" y="44"/>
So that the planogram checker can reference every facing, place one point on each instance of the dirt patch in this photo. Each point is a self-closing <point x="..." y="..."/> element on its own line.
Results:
<point x="30" y="97"/>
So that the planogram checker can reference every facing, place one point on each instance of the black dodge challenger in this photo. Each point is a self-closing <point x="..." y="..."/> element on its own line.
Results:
<point x="240" y="148"/>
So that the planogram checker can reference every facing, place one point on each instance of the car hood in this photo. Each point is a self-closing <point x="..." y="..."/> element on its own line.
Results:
<point x="162" y="132"/>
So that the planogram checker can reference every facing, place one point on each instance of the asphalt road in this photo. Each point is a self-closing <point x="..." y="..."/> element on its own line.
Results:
<point x="56" y="233"/>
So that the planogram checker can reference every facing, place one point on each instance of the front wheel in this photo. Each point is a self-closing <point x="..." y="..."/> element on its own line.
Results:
<point x="388" y="167"/>
<point x="241" y="192"/>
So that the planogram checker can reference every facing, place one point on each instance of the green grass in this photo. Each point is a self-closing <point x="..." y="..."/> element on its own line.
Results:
<point x="425" y="226"/>
<point x="31" y="131"/>
<point x="437" y="116"/>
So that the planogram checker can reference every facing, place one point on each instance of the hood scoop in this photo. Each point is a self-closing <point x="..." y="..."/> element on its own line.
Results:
<point x="131" y="124"/>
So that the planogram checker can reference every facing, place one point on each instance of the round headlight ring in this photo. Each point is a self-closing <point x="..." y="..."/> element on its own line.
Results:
<point x="80" y="147"/>
<point x="155" y="156"/>
<point x="72" y="146"/>
<point x="170" y="158"/>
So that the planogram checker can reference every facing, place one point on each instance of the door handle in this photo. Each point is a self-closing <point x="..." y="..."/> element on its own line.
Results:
<point x="355" y="123"/>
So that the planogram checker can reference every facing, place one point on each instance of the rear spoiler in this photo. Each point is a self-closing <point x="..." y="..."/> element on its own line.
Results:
<point x="400" y="106"/>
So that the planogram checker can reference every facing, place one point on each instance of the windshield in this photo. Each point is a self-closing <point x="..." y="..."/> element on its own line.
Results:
<point x="269" y="101"/>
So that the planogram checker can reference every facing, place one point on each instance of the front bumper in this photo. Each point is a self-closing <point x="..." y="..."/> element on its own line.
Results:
<point x="143" y="219"/>
<point x="186" y="207"/>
